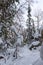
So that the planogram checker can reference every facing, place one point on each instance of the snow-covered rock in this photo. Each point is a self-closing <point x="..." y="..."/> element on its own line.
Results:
<point x="35" y="43"/>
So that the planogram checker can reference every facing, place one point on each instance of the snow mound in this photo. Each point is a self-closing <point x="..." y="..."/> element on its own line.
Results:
<point x="35" y="43"/>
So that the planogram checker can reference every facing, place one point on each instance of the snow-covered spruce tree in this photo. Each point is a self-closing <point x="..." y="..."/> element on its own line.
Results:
<point x="29" y="27"/>
<point x="7" y="12"/>
<point x="33" y="27"/>
<point x="29" y="30"/>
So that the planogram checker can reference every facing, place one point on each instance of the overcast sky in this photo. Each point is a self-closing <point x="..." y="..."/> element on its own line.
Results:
<point x="36" y="6"/>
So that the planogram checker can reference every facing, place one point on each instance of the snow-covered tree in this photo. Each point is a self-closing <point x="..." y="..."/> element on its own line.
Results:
<point x="7" y="13"/>
<point x="29" y="22"/>
<point x="33" y="27"/>
<point x="38" y="16"/>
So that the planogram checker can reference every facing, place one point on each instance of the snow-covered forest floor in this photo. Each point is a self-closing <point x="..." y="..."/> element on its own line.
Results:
<point x="25" y="57"/>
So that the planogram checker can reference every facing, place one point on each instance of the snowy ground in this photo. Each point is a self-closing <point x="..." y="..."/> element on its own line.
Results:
<point x="38" y="62"/>
<point x="26" y="57"/>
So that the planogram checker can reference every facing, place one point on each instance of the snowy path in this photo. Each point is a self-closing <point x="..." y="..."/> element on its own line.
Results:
<point x="38" y="62"/>
<point x="29" y="57"/>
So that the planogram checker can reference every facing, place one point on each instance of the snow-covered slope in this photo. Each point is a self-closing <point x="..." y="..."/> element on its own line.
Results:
<point x="26" y="57"/>
<point x="38" y="62"/>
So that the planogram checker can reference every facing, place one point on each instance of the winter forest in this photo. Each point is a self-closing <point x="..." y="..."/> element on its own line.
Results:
<point x="21" y="32"/>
